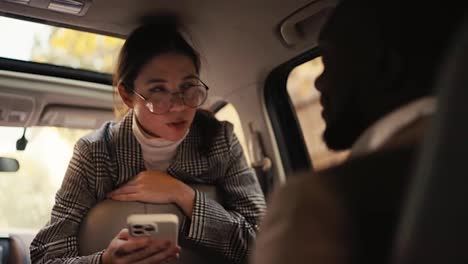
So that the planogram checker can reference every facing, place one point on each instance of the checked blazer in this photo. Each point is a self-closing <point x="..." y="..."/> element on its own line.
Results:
<point x="111" y="156"/>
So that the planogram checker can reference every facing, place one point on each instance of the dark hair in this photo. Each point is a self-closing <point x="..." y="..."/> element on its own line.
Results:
<point x="156" y="36"/>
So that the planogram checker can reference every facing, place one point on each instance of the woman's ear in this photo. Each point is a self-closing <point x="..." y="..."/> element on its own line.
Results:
<point x="126" y="98"/>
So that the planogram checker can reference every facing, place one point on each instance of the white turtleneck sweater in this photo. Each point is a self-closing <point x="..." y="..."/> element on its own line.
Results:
<point x="157" y="152"/>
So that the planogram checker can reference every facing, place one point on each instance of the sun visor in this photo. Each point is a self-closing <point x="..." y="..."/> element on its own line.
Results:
<point x="15" y="110"/>
<point x="72" y="7"/>
<point x="75" y="117"/>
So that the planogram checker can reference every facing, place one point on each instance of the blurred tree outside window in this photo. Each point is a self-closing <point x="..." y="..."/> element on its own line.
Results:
<point x="29" y="41"/>
<point x="306" y="101"/>
<point x="79" y="50"/>
<point x="27" y="196"/>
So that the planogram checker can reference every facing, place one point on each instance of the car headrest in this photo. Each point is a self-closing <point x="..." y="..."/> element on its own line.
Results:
<point x="433" y="228"/>
<point x="107" y="218"/>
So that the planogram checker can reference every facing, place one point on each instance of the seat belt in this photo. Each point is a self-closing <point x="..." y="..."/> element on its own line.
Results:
<point x="260" y="162"/>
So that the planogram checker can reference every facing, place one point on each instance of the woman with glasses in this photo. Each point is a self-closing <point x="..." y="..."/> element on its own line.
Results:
<point x="162" y="145"/>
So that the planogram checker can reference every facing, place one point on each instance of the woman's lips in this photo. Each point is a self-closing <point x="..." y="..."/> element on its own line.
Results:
<point x="177" y="125"/>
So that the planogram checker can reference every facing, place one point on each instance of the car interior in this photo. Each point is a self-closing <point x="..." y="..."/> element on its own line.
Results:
<point x="259" y="58"/>
<point x="435" y="212"/>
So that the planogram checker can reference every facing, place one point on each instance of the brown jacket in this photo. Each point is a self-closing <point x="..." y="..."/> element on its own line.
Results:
<point x="345" y="214"/>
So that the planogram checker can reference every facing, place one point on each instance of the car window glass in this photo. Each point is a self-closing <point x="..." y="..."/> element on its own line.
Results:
<point x="58" y="46"/>
<point x="27" y="196"/>
<point x="306" y="101"/>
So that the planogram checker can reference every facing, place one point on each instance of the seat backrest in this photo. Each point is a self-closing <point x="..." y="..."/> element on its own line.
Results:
<point x="13" y="251"/>
<point x="434" y="226"/>
<point x="107" y="218"/>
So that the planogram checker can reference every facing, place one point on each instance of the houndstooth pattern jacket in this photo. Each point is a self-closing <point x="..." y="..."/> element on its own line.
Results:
<point x="109" y="157"/>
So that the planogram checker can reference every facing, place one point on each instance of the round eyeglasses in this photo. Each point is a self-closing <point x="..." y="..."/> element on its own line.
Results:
<point x="160" y="102"/>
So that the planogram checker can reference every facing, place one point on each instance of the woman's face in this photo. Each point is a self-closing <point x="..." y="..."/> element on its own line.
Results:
<point x="167" y="72"/>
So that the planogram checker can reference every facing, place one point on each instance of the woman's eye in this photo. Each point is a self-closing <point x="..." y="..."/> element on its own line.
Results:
<point x="186" y="86"/>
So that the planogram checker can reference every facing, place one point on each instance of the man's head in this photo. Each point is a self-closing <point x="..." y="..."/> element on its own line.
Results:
<point x="378" y="57"/>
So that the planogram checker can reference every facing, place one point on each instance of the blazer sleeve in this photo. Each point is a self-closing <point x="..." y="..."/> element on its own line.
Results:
<point x="230" y="230"/>
<point x="57" y="241"/>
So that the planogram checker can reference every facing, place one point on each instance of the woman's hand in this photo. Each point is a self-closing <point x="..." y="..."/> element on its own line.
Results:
<point x="156" y="187"/>
<point x="126" y="249"/>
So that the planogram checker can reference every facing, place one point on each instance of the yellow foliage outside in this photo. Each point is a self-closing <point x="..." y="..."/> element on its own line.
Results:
<point x="71" y="48"/>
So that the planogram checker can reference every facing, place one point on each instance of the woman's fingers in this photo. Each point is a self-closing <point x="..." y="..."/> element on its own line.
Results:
<point x="133" y="245"/>
<point x="122" y="245"/>
<point x="126" y="189"/>
<point x="124" y="234"/>
<point x="154" y="247"/>
<point x="171" y="252"/>
<point x="126" y="197"/>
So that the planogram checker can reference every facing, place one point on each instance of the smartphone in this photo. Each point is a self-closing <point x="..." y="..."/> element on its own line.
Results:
<point x="159" y="226"/>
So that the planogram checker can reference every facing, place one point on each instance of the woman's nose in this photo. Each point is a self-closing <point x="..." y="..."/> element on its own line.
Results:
<point x="177" y="103"/>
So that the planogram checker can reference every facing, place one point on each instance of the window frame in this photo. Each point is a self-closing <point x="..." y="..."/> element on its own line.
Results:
<point x="285" y="124"/>
<point x="54" y="71"/>
<point x="47" y="69"/>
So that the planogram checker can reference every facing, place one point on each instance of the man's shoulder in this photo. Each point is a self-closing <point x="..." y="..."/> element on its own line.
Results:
<point x="374" y="180"/>
<point x="377" y="177"/>
<point x="375" y="166"/>
<point x="362" y="195"/>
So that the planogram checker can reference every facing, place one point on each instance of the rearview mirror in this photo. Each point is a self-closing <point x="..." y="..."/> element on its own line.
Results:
<point x="8" y="165"/>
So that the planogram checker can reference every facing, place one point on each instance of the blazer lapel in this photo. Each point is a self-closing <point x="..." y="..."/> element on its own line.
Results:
<point x="128" y="151"/>
<point x="189" y="164"/>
